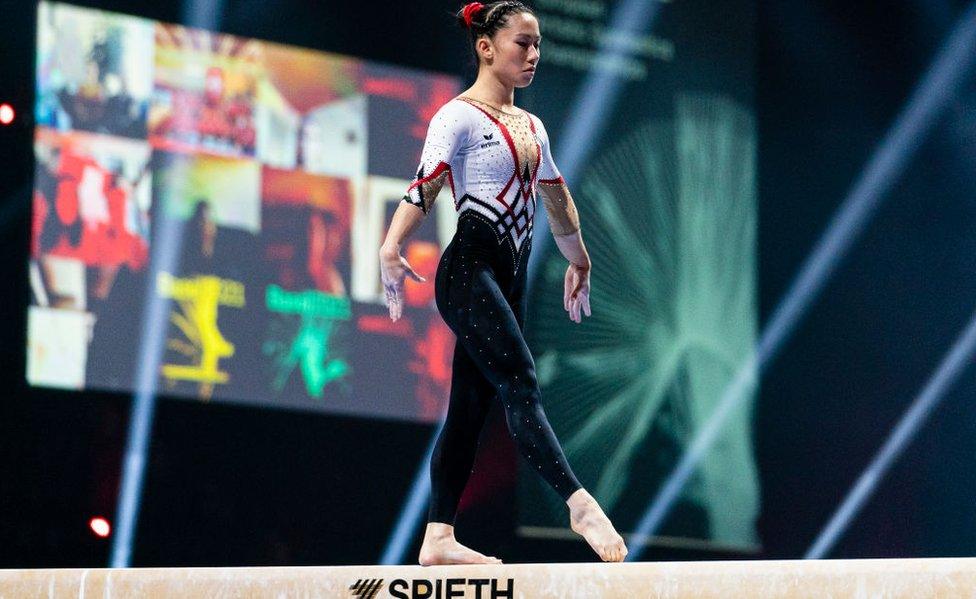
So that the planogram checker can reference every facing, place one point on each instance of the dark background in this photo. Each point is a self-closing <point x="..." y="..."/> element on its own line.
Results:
<point x="229" y="485"/>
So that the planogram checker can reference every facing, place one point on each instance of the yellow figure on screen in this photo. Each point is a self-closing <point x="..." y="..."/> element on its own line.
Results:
<point x="199" y="298"/>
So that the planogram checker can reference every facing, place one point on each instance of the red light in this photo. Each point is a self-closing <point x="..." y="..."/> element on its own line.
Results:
<point x="100" y="527"/>
<point x="6" y="114"/>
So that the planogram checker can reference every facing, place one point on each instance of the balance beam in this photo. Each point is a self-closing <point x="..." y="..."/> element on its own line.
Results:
<point x="908" y="578"/>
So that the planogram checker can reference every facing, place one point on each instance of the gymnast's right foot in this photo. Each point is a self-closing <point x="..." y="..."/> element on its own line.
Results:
<point x="440" y="548"/>
<point x="587" y="519"/>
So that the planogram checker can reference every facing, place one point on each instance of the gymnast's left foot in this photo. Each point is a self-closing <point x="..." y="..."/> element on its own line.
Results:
<point x="441" y="548"/>
<point x="587" y="519"/>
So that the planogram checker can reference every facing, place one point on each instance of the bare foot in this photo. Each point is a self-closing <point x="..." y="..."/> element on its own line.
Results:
<point x="440" y="548"/>
<point x="588" y="520"/>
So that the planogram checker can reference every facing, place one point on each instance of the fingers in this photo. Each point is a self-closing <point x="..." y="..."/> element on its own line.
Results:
<point x="397" y="307"/>
<point x="413" y="275"/>
<point x="579" y="303"/>
<point x="574" y="300"/>
<point x="567" y="287"/>
<point x="392" y="301"/>
<point x="408" y="270"/>
<point x="398" y="299"/>
<point x="393" y="278"/>
<point x="394" y="297"/>
<point x="388" y="278"/>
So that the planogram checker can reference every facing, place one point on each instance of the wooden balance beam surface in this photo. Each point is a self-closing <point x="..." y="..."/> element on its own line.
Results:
<point x="909" y="578"/>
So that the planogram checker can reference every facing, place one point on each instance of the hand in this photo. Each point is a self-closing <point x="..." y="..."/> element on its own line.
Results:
<point x="393" y="271"/>
<point x="576" y="291"/>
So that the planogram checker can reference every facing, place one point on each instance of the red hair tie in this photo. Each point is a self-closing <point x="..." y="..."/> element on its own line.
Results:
<point x="469" y="11"/>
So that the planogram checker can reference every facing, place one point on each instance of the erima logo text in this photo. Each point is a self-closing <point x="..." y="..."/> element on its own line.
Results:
<point x="421" y="588"/>
<point x="489" y="143"/>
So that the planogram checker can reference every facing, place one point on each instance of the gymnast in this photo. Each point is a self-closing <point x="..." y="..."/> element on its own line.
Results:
<point x="496" y="159"/>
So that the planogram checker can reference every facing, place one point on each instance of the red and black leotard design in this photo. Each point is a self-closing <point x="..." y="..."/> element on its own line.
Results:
<point x="495" y="162"/>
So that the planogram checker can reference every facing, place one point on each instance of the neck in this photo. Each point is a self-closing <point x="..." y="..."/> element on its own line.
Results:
<point x="489" y="89"/>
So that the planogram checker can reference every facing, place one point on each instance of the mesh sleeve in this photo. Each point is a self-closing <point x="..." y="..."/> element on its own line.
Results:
<point x="559" y="205"/>
<point x="445" y="135"/>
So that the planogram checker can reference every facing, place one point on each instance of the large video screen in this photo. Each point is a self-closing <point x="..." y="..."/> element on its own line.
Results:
<point x="229" y="181"/>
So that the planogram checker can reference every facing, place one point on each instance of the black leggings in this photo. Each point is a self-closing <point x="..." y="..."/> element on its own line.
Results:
<point x="483" y="301"/>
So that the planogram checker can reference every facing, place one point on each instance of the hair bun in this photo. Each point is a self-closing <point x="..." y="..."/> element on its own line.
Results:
<point x="469" y="11"/>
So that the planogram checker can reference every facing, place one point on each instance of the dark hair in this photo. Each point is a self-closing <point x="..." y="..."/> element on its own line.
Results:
<point x="489" y="19"/>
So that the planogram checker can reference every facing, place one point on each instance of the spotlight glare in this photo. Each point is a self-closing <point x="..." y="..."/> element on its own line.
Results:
<point x="100" y="526"/>
<point x="7" y="114"/>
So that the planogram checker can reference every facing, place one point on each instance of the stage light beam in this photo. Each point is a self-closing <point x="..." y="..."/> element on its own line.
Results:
<point x="931" y="95"/>
<point x="201" y="14"/>
<point x="922" y="406"/>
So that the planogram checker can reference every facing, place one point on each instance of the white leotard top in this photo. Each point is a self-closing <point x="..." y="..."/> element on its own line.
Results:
<point x="494" y="162"/>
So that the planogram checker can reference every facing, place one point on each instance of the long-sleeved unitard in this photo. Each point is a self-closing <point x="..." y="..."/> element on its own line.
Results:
<point x="495" y="164"/>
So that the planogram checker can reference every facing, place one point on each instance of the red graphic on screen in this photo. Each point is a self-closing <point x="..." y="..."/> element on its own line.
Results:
<point x="91" y="205"/>
<point x="216" y="113"/>
<point x="433" y="355"/>
<point x="423" y="256"/>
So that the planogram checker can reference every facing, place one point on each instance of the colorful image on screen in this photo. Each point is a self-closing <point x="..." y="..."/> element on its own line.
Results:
<point x="245" y="186"/>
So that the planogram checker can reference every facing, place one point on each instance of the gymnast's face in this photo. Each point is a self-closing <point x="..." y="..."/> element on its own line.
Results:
<point x="513" y="53"/>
